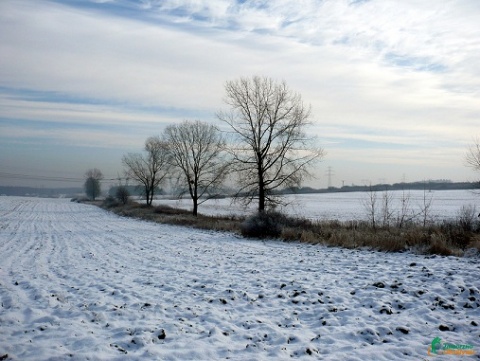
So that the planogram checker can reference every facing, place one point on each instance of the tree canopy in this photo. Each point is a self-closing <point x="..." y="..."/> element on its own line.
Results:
<point x="149" y="169"/>
<point x="92" y="183"/>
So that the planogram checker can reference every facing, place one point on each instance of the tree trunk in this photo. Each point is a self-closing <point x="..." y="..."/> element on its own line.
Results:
<point x="195" y="198"/>
<point x="195" y="207"/>
<point x="147" y="195"/>
<point x="261" y="189"/>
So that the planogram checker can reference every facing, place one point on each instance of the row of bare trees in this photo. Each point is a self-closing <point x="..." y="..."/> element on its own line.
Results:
<point x="263" y="142"/>
<point x="192" y="153"/>
<point x="265" y="145"/>
<point x="381" y="211"/>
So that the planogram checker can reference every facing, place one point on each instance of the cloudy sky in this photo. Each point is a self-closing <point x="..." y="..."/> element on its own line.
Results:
<point x="394" y="85"/>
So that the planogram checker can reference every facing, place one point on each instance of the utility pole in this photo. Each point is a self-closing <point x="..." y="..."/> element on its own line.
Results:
<point x="329" y="173"/>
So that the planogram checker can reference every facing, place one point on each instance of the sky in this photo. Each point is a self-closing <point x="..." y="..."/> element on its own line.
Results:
<point x="394" y="86"/>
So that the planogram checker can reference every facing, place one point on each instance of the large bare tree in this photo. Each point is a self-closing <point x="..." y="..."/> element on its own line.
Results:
<point x="92" y="183"/>
<point x="197" y="153"/>
<point x="273" y="151"/>
<point x="149" y="169"/>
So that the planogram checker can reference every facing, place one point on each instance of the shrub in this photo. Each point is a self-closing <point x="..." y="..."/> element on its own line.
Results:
<point x="122" y="194"/>
<point x="439" y="246"/>
<point x="80" y="199"/>
<point x="263" y="225"/>
<point x="110" y="202"/>
<point x="467" y="218"/>
<point x="457" y="232"/>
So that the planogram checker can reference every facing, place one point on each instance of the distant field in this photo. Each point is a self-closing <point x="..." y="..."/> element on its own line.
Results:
<point x="347" y="206"/>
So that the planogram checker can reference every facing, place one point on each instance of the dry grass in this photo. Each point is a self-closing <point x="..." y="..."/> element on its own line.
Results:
<point x="170" y="215"/>
<point x="475" y="243"/>
<point x="432" y="240"/>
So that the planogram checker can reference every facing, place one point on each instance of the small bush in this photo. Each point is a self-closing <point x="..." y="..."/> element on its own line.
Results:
<point x="263" y="225"/>
<point x="80" y="199"/>
<point x="439" y="246"/>
<point x="467" y="218"/>
<point x="457" y="233"/>
<point x="110" y="202"/>
<point x="122" y="194"/>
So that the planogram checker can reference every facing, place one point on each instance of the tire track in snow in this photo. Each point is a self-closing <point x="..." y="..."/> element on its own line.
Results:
<point x="79" y="283"/>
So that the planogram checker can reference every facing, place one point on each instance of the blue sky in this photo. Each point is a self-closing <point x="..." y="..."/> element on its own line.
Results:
<point x="394" y="85"/>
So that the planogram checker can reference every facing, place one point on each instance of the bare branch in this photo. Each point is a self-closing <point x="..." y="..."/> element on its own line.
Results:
<point x="472" y="157"/>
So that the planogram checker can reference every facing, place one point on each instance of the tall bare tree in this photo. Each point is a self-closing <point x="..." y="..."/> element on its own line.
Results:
<point x="151" y="169"/>
<point x="92" y="183"/>
<point x="197" y="152"/>
<point x="273" y="151"/>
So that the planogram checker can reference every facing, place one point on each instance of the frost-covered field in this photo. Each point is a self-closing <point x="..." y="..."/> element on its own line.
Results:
<point x="350" y="205"/>
<point x="79" y="283"/>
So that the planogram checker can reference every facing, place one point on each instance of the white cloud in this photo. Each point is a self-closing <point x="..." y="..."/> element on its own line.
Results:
<point x="376" y="71"/>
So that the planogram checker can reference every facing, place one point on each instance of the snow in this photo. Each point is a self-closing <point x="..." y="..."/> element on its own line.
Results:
<point x="347" y="206"/>
<point x="79" y="283"/>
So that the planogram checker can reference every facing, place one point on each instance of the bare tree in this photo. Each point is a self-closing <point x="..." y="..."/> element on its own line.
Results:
<point x="370" y="204"/>
<point x="405" y="214"/>
<point x="387" y="210"/>
<point x="151" y="169"/>
<point x="92" y="183"/>
<point x="473" y="155"/>
<point x="122" y="194"/>
<point x="196" y="148"/>
<point x="426" y="207"/>
<point x="268" y="121"/>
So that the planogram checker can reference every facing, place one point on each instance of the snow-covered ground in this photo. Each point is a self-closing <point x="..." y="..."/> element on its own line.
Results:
<point x="78" y="283"/>
<point x="349" y="206"/>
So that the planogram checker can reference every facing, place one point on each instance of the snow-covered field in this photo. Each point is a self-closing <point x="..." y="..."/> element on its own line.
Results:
<point x="349" y="206"/>
<point x="78" y="283"/>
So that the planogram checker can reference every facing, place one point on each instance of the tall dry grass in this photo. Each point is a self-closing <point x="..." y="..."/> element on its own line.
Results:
<point x="443" y="239"/>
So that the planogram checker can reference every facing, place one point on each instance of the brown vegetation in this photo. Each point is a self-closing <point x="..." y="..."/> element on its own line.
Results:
<point x="436" y="239"/>
<point x="169" y="215"/>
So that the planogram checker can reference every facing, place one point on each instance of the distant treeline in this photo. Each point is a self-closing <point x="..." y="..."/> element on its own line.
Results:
<point x="432" y="185"/>
<point x="40" y="192"/>
<point x="428" y="185"/>
<point x="138" y="190"/>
